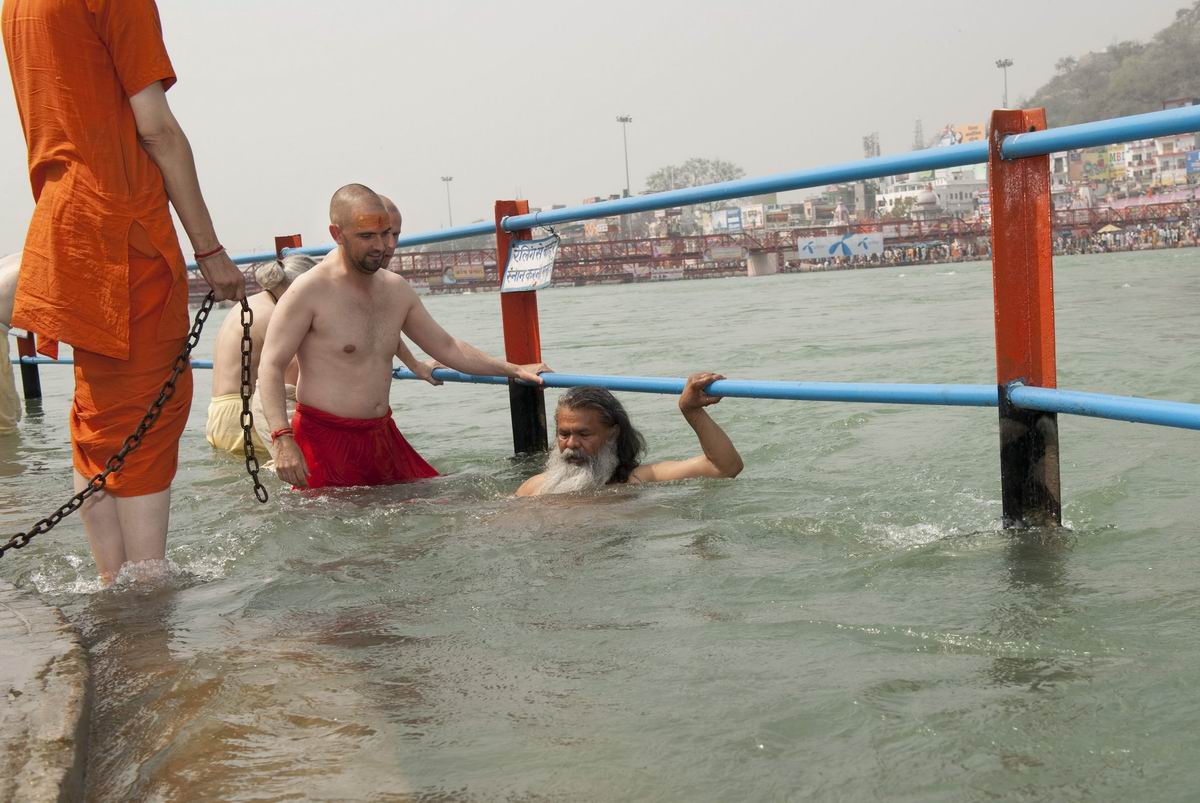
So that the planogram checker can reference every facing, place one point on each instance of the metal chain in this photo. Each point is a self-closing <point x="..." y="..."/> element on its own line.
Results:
<point x="117" y="461"/>
<point x="260" y="493"/>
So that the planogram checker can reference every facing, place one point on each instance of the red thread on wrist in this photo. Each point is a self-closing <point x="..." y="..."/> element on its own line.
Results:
<point x="211" y="253"/>
<point x="279" y="433"/>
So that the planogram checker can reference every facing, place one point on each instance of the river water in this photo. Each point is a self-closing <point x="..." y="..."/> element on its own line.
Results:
<point x="845" y="621"/>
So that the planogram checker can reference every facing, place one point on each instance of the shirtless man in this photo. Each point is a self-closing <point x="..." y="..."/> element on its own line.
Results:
<point x="223" y="429"/>
<point x="598" y="446"/>
<point x="343" y="321"/>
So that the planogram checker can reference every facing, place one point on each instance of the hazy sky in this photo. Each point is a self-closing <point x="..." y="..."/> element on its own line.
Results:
<point x="286" y="100"/>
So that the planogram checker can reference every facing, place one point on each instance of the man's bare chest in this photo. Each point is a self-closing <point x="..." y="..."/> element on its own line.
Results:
<point x="355" y="326"/>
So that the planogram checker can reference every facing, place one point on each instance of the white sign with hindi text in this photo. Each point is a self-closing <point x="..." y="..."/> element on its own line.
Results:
<point x="530" y="265"/>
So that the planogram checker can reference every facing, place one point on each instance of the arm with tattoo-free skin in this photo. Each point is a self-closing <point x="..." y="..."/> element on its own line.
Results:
<point x="423" y="370"/>
<point x="290" y="323"/>
<point x="720" y="458"/>
<point x="423" y="330"/>
<point x="163" y="139"/>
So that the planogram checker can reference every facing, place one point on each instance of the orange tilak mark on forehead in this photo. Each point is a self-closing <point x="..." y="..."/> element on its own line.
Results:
<point x="372" y="220"/>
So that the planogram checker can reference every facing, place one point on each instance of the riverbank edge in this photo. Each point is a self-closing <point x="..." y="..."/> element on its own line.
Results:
<point x="47" y="688"/>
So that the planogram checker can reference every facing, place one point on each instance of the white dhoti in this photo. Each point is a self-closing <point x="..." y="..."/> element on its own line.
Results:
<point x="10" y="402"/>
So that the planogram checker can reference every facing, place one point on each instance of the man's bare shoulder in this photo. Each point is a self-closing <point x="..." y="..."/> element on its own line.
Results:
<point x="395" y="289"/>
<point x="532" y="485"/>
<point x="317" y="280"/>
<point x="261" y="304"/>
<point x="394" y="281"/>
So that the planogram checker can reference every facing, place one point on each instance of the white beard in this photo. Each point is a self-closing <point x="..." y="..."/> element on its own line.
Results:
<point x="564" y="476"/>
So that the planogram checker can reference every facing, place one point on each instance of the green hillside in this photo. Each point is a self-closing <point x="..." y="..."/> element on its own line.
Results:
<point x="1126" y="78"/>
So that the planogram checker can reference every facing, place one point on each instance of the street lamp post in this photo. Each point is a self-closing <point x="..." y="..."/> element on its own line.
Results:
<point x="625" y="120"/>
<point x="449" y="210"/>
<point x="1004" y="64"/>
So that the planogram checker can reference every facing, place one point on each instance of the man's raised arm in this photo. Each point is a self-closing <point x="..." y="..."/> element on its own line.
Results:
<point x="720" y="458"/>
<point x="460" y="355"/>
<point x="289" y="324"/>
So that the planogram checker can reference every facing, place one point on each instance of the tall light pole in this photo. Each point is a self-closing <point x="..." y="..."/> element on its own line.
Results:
<point x="1004" y="64"/>
<point x="625" y="120"/>
<point x="449" y="210"/>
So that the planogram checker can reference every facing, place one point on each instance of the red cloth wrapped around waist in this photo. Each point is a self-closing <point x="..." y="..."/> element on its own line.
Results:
<point x="343" y="451"/>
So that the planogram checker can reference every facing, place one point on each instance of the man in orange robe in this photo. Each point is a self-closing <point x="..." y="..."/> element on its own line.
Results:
<point x="102" y="269"/>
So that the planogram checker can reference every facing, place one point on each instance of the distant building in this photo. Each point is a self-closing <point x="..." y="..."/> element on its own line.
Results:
<point x="1171" y="155"/>
<point x="925" y="206"/>
<point x="895" y="189"/>
<point x="957" y="187"/>
<point x="817" y="209"/>
<point x="1141" y="161"/>
<point x="955" y="190"/>
<point x="1061" y="190"/>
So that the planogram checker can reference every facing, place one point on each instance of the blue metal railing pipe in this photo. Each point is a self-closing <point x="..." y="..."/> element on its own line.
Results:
<point x="1182" y="415"/>
<point x="1102" y="132"/>
<point x="244" y="259"/>
<point x="1097" y="405"/>
<point x="1100" y="405"/>
<point x="954" y="395"/>
<point x="403" y="241"/>
<point x="409" y="240"/>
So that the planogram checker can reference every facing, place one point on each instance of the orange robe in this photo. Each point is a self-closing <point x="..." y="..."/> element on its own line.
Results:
<point x="102" y="269"/>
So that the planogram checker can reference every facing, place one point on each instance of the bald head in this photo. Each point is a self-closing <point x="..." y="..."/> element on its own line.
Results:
<point x="393" y="213"/>
<point x="352" y="201"/>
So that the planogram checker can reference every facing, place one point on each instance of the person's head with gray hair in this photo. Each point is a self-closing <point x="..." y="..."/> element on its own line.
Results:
<point x="275" y="277"/>
<point x="596" y="443"/>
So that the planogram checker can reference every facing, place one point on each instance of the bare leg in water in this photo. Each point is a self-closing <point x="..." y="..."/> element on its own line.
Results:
<point x="127" y="530"/>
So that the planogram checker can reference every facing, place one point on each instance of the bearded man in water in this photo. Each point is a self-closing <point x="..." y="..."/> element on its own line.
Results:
<point x="343" y="322"/>
<point x="598" y="446"/>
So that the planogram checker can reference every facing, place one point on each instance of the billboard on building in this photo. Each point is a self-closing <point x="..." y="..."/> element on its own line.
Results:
<point x="846" y="245"/>
<point x="727" y="219"/>
<point x="469" y="273"/>
<point x="1109" y="165"/>
<point x="1193" y="162"/>
<point x="753" y="217"/>
<point x="724" y="253"/>
<point x="958" y="133"/>
<point x="595" y="228"/>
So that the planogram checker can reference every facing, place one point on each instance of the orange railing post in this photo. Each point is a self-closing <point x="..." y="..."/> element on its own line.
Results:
<point x="286" y="241"/>
<point x="522" y="341"/>
<point x="1023" y="281"/>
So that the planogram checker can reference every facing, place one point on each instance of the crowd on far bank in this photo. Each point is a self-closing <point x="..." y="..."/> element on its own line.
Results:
<point x="1183" y="233"/>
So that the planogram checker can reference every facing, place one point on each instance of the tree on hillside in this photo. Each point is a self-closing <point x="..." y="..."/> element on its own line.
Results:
<point x="693" y="173"/>
<point x="900" y="210"/>
<point x="1127" y="77"/>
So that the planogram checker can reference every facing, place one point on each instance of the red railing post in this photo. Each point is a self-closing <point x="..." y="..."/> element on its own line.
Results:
<point x="286" y="241"/>
<point x="31" y="381"/>
<point x="522" y="342"/>
<point x="282" y="242"/>
<point x="1023" y="280"/>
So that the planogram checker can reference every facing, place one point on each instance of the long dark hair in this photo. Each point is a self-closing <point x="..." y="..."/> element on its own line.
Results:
<point x="630" y="443"/>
